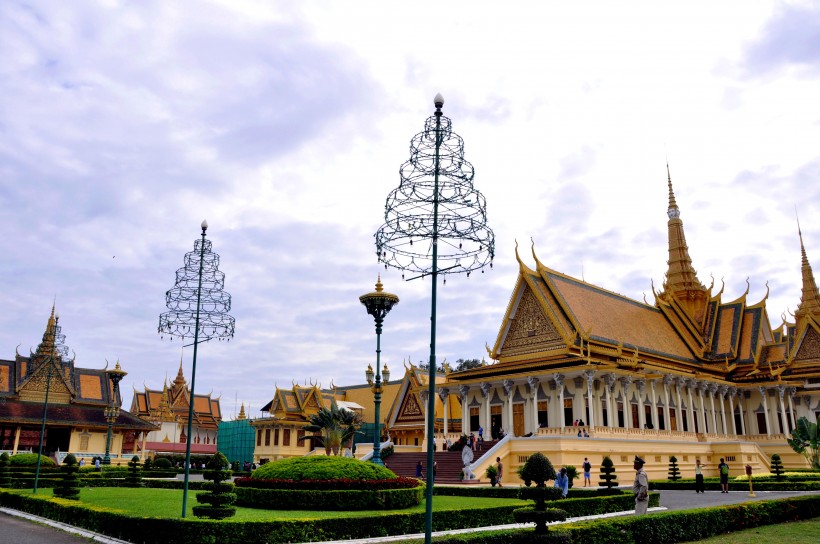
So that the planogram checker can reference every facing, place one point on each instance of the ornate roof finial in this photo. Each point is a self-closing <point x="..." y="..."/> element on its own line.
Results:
<point x="681" y="277"/>
<point x="810" y="296"/>
<point x="673" y="210"/>
<point x="242" y="412"/>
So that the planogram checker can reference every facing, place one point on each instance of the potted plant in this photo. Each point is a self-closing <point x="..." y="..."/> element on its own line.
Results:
<point x="492" y="474"/>
<point x="572" y="474"/>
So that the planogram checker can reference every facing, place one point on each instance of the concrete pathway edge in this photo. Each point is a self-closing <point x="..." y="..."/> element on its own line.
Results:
<point x="94" y="537"/>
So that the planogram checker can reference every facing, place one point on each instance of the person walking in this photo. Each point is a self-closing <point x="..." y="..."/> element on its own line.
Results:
<point x="587" y="466"/>
<point x="480" y="433"/>
<point x="699" y="487"/>
<point x="640" y="487"/>
<point x="723" y="470"/>
<point x="562" y="482"/>
<point x="500" y="468"/>
<point x="419" y="469"/>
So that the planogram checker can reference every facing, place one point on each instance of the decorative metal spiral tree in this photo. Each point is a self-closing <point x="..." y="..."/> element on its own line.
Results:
<point x="435" y="215"/>
<point x="198" y="308"/>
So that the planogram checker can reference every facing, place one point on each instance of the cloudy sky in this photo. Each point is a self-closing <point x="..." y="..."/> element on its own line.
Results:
<point x="124" y="124"/>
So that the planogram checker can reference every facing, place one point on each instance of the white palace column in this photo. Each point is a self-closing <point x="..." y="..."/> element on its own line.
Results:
<point x="765" y="409"/>
<point x="626" y="381"/>
<point x="690" y="384"/>
<point x="667" y="379"/>
<point x="464" y="395"/>
<point x="731" y="392"/>
<point x="712" y="390"/>
<point x="679" y="418"/>
<point x="741" y="396"/>
<point x="641" y="385"/>
<point x="781" y="390"/>
<point x="792" y="391"/>
<point x="652" y="385"/>
<point x="702" y="387"/>
<point x="533" y="382"/>
<point x="610" y="384"/>
<point x="507" y="419"/>
<point x="590" y="375"/>
<point x="484" y="420"/>
<point x="444" y="395"/>
<point x="559" y="385"/>
<point x="721" y="390"/>
<point x="425" y="402"/>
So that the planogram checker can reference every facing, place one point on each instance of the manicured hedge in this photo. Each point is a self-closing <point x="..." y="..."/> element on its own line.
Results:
<point x="322" y="467"/>
<point x="714" y="485"/>
<point x="30" y="459"/>
<point x="191" y="531"/>
<point x="290" y="499"/>
<point x="401" y="482"/>
<point x="512" y="492"/>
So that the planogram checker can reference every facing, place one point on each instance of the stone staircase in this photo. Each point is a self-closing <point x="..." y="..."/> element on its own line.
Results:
<point x="448" y="464"/>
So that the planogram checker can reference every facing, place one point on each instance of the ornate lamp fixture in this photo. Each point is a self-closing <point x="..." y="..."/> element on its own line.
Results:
<point x="378" y="304"/>
<point x="112" y="411"/>
<point x="435" y="215"/>
<point x="198" y="308"/>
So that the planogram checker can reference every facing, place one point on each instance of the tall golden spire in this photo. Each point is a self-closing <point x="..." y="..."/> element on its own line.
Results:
<point x="242" y="412"/>
<point x="810" y="297"/>
<point x="681" y="278"/>
<point x="47" y="346"/>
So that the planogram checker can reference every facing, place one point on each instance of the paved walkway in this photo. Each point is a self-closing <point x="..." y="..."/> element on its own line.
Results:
<point x="22" y="528"/>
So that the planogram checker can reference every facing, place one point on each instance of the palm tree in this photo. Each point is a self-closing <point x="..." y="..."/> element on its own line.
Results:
<point x="336" y="427"/>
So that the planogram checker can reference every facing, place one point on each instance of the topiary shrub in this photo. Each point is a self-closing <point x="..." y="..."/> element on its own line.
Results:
<point x="30" y="460"/>
<point x="322" y="468"/>
<point x="777" y="467"/>
<point x="148" y="464"/>
<point x="674" y="471"/>
<point x="609" y="479"/>
<point x="221" y="498"/>
<point x="162" y="463"/>
<point x="134" y="476"/>
<point x="5" y="473"/>
<point x="538" y="469"/>
<point x="69" y="485"/>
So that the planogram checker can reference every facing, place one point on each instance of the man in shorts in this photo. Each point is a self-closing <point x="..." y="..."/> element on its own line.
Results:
<point x="587" y="466"/>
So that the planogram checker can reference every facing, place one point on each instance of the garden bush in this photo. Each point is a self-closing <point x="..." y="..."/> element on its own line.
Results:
<point x="219" y="499"/>
<point x="674" y="470"/>
<point x="69" y="485"/>
<point x="5" y="473"/>
<point x="134" y="476"/>
<point x="163" y="463"/>
<point x="322" y="468"/>
<point x="30" y="460"/>
<point x="608" y="476"/>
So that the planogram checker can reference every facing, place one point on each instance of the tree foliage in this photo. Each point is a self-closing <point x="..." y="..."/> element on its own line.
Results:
<point x="777" y="467"/>
<point x="336" y="427"/>
<point x="806" y="442"/>
<point x="608" y="476"/>
<point x="674" y="470"/>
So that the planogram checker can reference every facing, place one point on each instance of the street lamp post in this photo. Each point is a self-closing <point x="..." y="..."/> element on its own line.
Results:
<point x="378" y="304"/>
<point x="198" y="308"/>
<point x="436" y="206"/>
<point x="112" y="411"/>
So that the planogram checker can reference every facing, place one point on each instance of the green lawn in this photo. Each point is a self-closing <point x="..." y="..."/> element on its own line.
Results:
<point x="797" y="532"/>
<point x="167" y="503"/>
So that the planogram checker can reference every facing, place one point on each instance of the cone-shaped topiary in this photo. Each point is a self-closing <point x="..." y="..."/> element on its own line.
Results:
<point x="69" y="485"/>
<point x="777" y="467"/>
<point x="5" y="473"/>
<point x="538" y="469"/>
<point x="674" y="471"/>
<point x="134" y="476"/>
<point x="220" y="497"/>
<point x="608" y="476"/>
